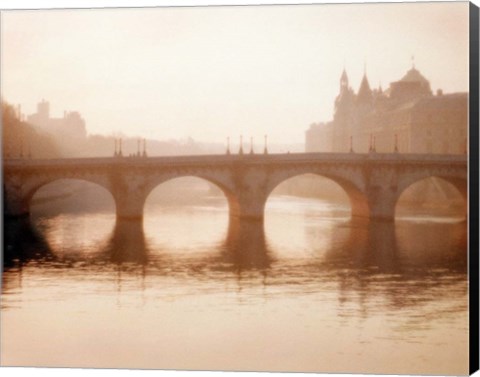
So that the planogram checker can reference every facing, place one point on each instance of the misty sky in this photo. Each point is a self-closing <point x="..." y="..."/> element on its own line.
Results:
<point x="214" y="72"/>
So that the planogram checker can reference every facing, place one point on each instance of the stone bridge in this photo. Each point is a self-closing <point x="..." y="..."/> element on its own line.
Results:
<point x="372" y="181"/>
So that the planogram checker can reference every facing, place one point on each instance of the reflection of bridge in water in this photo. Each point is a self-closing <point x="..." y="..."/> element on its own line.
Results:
<point x="407" y="257"/>
<point x="382" y="247"/>
<point x="373" y="181"/>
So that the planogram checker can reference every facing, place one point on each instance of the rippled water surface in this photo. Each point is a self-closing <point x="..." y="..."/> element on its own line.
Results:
<point x="310" y="290"/>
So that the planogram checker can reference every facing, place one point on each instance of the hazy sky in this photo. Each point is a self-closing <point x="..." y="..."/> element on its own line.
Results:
<point x="215" y="72"/>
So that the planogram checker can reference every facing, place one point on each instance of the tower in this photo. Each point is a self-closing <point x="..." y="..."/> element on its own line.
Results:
<point x="344" y="107"/>
<point x="43" y="109"/>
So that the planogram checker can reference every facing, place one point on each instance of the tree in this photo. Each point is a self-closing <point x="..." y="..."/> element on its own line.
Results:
<point x="20" y="139"/>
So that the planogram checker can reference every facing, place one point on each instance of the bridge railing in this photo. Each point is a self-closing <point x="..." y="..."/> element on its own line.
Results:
<point x="251" y="158"/>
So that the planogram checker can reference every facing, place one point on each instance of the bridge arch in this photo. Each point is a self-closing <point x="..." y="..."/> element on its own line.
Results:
<point x="231" y="198"/>
<point x="65" y="188"/>
<point x="19" y="197"/>
<point x="190" y="205"/>
<point x="440" y="183"/>
<point x="31" y="191"/>
<point x="459" y="180"/>
<point x="351" y="186"/>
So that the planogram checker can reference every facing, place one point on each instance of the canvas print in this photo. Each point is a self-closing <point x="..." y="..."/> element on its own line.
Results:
<point x="273" y="188"/>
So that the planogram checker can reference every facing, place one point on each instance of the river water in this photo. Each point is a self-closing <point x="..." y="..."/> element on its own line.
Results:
<point x="309" y="290"/>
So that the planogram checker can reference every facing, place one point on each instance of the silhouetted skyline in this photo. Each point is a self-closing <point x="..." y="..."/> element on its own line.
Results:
<point x="209" y="73"/>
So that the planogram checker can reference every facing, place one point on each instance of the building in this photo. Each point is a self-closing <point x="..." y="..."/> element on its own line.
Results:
<point x="406" y="117"/>
<point x="68" y="131"/>
<point x="71" y="124"/>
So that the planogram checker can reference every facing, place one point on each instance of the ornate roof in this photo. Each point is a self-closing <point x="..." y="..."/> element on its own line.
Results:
<point x="414" y="75"/>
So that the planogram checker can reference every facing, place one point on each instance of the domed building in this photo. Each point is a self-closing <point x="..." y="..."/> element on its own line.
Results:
<point x="406" y="117"/>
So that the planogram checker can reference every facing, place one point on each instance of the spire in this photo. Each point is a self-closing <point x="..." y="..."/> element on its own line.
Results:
<point x="345" y="97"/>
<point x="343" y="81"/>
<point x="364" y="93"/>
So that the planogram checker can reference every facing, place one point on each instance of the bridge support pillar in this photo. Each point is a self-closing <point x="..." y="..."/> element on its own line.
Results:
<point x="381" y="203"/>
<point x="130" y="191"/>
<point x="129" y="209"/>
<point x="15" y="205"/>
<point x="129" y="205"/>
<point x="248" y="207"/>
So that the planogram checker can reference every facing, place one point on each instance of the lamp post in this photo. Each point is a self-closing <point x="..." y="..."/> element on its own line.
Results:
<point x="21" y="145"/>
<point x="240" y="151"/>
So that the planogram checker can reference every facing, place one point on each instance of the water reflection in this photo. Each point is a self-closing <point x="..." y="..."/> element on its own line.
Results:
<point x="127" y="243"/>
<point x="245" y="247"/>
<point x="378" y="285"/>
<point x="352" y="242"/>
<point x="365" y="246"/>
<point x="401" y="266"/>
<point x="404" y="250"/>
<point x="23" y="243"/>
<point x="402" y="263"/>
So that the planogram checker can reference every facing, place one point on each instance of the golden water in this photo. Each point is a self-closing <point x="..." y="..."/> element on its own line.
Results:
<point x="310" y="290"/>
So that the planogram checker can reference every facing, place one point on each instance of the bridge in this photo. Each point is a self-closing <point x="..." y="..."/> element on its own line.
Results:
<point x="372" y="181"/>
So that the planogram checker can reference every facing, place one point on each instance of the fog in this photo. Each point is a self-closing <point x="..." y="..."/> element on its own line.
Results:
<point x="211" y="72"/>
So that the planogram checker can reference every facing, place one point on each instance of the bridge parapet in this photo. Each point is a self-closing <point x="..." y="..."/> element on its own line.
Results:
<point x="245" y="158"/>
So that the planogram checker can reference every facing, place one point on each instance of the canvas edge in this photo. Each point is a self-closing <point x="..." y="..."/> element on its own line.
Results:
<point x="474" y="190"/>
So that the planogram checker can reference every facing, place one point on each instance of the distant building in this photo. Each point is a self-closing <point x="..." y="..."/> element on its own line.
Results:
<point x="407" y="115"/>
<point x="70" y="126"/>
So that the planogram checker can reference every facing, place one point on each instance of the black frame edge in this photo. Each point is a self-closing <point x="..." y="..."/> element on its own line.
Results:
<point x="474" y="191"/>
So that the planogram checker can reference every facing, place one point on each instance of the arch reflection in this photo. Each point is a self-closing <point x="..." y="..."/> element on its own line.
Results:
<point x="368" y="245"/>
<point x="127" y="243"/>
<point x="407" y="264"/>
<point x="245" y="247"/>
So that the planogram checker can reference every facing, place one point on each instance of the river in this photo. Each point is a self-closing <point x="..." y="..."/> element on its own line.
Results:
<point x="309" y="290"/>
